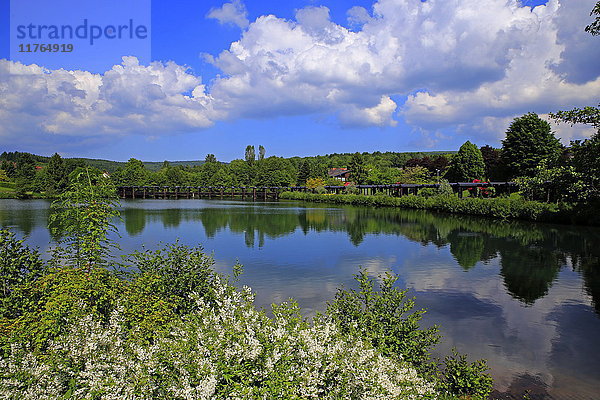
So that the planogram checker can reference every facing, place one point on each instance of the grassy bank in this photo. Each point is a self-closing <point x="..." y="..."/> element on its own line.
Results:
<point x="7" y="190"/>
<point x="505" y="208"/>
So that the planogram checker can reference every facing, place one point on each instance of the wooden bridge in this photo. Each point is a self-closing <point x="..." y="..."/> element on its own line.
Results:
<point x="272" y="192"/>
<point x="196" y="192"/>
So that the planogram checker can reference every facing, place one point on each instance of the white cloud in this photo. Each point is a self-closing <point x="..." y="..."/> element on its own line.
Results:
<point x="465" y="66"/>
<point x="234" y="13"/>
<point x="462" y="60"/>
<point x="128" y="98"/>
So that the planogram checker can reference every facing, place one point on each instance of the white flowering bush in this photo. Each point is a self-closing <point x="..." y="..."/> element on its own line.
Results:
<point x="228" y="349"/>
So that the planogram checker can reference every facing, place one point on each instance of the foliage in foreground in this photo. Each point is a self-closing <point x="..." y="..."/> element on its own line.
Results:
<point x="174" y="329"/>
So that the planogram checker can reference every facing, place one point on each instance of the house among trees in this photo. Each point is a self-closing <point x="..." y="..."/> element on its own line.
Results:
<point x="343" y="174"/>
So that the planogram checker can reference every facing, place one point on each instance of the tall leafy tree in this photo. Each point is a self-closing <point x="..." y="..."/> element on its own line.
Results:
<point x="250" y="155"/>
<point x="83" y="215"/>
<point x="132" y="174"/>
<point x="261" y="152"/>
<point x="9" y="167"/>
<point x="467" y="164"/>
<point x="303" y="172"/>
<point x="25" y="174"/>
<point x="494" y="167"/>
<point x="56" y="174"/>
<point x="529" y="141"/>
<point x="358" y="171"/>
<point x="210" y="158"/>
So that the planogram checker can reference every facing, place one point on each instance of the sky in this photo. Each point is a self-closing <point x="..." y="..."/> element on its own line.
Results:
<point x="163" y="80"/>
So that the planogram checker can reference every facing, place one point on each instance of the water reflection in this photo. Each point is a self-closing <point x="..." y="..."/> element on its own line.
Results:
<point x="530" y="255"/>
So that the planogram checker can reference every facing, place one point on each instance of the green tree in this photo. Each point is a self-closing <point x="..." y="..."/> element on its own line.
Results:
<point x="242" y="173"/>
<point x="25" y="175"/>
<point x="275" y="171"/>
<point x="494" y="167"/>
<point x="416" y="174"/>
<point x="467" y="164"/>
<point x="304" y="172"/>
<point x="358" y="171"/>
<point x="132" y="174"/>
<point x="529" y="141"/>
<point x="210" y="158"/>
<point x="594" y="27"/>
<point x="261" y="152"/>
<point x="83" y="216"/>
<point x="9" y="167"/>
<point x="56" y="175"/>
<point x="18" y="264"/>
<point x="250" y="154"/>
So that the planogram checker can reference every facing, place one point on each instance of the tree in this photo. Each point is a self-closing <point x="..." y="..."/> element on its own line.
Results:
<point x="304" y="172"/>
<point x="261" y="152"/>
<point x="18" y="264"/>
<point x="594" y="27"/>
<point x="84" y="214"/>
<point x="25" y="174"/>
<point x="494" y="167"/>
<point x="467" y="164"/>
<point x="56" y="174"/>
<point x="585" y="154"/>
<point x="358" y="172"/>
<point x="9" y="167"/>
<point x="529" y="141"/>
<point x="210" y="158"/>
<point x="250" y="154"/>
<point x="132" y="174"/>
<point x="416" y="174"/>
<point x="586" y="115"/>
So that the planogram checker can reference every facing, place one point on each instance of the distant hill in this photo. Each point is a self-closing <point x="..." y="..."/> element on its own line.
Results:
<point x="111" y="166"/>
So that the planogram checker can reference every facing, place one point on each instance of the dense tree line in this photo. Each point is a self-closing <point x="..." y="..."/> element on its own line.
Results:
<point x="530" y="154"/>
<point x="260" y="170"/>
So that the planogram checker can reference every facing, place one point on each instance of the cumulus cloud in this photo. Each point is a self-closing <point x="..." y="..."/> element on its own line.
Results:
<point x="459" y="62"/>
<point x="128" y="98"/>
<point x="233" y="13"/>
<point x="463" y="66"/>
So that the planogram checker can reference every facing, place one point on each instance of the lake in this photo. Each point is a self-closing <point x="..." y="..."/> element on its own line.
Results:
<point x="524" y="296"/>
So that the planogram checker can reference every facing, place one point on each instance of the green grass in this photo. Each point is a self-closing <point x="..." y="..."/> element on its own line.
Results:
<point x="7" y="190"/>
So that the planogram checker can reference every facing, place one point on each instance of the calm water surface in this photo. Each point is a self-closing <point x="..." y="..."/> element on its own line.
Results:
<point x="524" y="296"/>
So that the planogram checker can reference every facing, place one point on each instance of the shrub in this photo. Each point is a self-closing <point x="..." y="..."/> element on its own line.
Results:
<point x="222" y="349"/>
<point x="19" y="265"/>
<point x="385" y="318"/>
<point x="351" y="188"/>
<point x="466" y="379"/>
<point x="320" y="190"/>
<point x="313" y="183"/>
<point x="179" y="271"/>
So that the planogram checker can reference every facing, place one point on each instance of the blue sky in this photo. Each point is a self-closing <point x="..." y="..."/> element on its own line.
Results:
<point x="299" y="77"/>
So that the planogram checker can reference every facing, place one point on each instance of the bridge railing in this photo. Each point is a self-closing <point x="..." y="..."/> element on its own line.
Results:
<point x="272" y="192"/>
